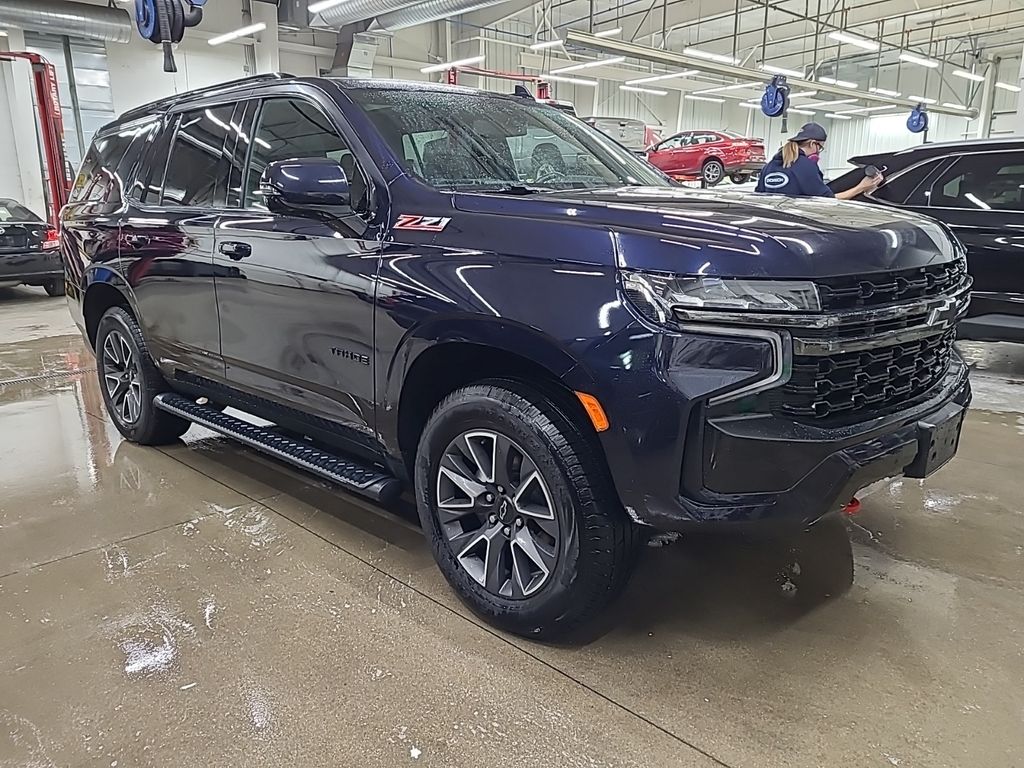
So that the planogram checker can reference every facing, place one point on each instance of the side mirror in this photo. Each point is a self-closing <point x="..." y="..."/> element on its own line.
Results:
<point x="309" y="181"/>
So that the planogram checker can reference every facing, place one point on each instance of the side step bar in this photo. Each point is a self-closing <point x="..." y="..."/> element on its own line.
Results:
<point x="351" y="475"/>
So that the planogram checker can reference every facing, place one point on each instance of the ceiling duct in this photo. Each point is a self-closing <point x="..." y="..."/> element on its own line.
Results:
<point x="358" y="10"/>
<point x="431" y="10"/>
<point x="62" y="17"/>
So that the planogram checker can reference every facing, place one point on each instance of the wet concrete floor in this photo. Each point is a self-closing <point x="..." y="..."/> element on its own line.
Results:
<point x="201" y="605"/>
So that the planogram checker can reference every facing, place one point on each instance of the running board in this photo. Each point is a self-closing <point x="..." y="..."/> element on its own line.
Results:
<point x="351" y="475"/>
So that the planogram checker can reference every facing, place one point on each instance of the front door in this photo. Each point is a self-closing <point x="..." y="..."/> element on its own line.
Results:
<point x="295" y="292"/>
<point x="981" y="198"/>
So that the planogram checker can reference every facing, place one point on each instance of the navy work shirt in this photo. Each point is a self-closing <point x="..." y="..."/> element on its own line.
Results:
<point x="802" y="179"/>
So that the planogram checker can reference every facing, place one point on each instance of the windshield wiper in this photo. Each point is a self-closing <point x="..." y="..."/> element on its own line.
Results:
<point x="510" y="189"/>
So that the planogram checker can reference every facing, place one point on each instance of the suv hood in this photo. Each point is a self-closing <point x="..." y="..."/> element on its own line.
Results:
<point x="685" y="231"/>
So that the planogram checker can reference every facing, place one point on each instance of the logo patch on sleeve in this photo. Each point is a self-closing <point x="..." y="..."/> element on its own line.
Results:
<point x="421" y="223"/>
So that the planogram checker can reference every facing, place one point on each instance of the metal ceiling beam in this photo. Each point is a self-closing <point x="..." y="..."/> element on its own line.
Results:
<point x="682" y="61"/>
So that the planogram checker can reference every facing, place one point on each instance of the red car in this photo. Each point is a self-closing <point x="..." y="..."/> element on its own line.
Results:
<point x="709" y="155"/>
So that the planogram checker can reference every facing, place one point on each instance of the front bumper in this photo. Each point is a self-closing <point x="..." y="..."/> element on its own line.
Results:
<point x="34" y="266"/>
<point x="680" y="461"/>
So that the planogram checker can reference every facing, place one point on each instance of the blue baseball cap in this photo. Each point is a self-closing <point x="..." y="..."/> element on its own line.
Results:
<point x="810" y="132"/>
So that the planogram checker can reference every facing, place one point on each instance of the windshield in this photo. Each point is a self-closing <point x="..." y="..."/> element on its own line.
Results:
<point x="470" y="142"/>
<point x="12" y="211"/>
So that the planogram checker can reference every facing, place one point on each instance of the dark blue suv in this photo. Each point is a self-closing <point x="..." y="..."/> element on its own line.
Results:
<point x="481" y="299"/>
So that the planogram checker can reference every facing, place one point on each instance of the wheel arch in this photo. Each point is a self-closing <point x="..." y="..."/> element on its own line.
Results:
<point x="432" y="364"/>
<point x="104" y="289"/>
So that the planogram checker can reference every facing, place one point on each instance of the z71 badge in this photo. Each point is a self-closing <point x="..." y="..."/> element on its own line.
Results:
<point x="421" y="223"/>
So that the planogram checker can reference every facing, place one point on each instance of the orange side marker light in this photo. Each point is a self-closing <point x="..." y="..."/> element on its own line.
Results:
<point x="594" y="411"/>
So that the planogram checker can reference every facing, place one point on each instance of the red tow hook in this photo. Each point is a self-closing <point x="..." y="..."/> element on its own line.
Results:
<point x="852" y="507"/>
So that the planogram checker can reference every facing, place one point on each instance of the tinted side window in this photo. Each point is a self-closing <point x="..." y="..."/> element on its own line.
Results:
<point x="672" y="143"/>
<point x="198" y="166"/>
<point x="97" y="181"/>
<point x="987" y="181"/>
<point x="287" y="129"/>
<point x="902" y="189"/>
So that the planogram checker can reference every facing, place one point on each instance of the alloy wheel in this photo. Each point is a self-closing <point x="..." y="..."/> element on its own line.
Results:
<point x="497" y="514"/>
<point x="712" y="173"/>
<point x="121" y="378"/>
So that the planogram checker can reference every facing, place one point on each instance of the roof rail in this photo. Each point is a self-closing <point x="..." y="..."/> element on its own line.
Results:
<point x="211" y="90"/>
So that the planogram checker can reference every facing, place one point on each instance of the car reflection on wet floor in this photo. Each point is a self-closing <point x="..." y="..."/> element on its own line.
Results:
<point x="202" y="604"/>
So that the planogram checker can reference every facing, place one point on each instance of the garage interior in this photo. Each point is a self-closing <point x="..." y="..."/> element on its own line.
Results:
<point x="202" y="604"/>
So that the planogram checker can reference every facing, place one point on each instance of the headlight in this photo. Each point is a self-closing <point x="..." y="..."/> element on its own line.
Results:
<point x="659" y="296"/>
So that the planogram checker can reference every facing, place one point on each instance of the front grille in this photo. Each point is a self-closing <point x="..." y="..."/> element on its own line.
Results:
<point x="847" y="384"/>
<point x="855" y="292"/>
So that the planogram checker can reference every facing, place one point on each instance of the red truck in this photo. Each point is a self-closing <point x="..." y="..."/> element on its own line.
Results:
<point x="709" y="155"/>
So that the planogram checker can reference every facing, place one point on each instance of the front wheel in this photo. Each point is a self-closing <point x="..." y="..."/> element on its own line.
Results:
<point x="129" y="381"/>
<point x="712" y="172"/>
<point x="740" y="178"/>
<point x="520" y="513"/>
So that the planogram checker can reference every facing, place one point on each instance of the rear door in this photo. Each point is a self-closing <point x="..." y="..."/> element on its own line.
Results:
<point x="167" y="238"/>
<point x="296" y="292"/>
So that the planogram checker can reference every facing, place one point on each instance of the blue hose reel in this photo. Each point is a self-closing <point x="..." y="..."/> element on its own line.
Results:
<point x="164" y="22"/>
<point x="917" y="122"/>
<point x="775" y="99"/>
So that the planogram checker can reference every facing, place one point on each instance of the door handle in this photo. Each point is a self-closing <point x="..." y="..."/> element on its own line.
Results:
<point x="137" y="241"/>
<point x="235" y="250"/>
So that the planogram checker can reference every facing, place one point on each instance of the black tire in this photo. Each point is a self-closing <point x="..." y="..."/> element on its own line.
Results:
<point x="712" y="172"/>
<point x="596" y="544"/>
<point x="122" y="355"/>
<point x="54" y="287"/>
<point x="816" y="564"/>
<point x="739" y="178"/>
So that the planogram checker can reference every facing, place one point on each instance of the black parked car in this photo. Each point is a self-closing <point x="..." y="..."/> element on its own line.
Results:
<point x="557" y="357"/>
<point x="976" y="188"/>
<point x="29" y="249"/>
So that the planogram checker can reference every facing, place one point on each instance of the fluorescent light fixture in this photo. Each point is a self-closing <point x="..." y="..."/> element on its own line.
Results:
<point x="865" y="110"/>
<point x="573" y="80"/>
<point x="780" y="70"/>
<point x="833" y="103"/>
<point x="3" y="33"/>
<point x="837" y="116"/>
<point x="642" y="90"/>
<point x="1008" y="87"/>
<point x="912" y="58"/>
<point x="608" y="32"/>
<point x="241" y="32"/>
<point x="921" y="99"/>
<point x="698" y="53"/>
<point x="713" y="100"/>
<point x="833" y="81"/>
<point x="801" y="111"/>
<point x="953" y="105"/>
<point x="969" y="75"/>
<point x="545" y="44"/>
<point x="656" y="78"/>
<point x="860" y="42"/>
<point x="886" y="92"/>
<point x="450" y="64"/>
<point x="323" y="5"/>
<point x="733" y="87"/>
<point x="589" y="64"/>
<point x="802" y="94"/>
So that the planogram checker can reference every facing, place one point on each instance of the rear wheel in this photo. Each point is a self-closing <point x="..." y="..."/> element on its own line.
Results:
<point x="740" y="178"/>
<point x="54" y="286"/>
<point x="520" y="514"/>
<point x="712" y="172"/>
<point x="129" y="381"/>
